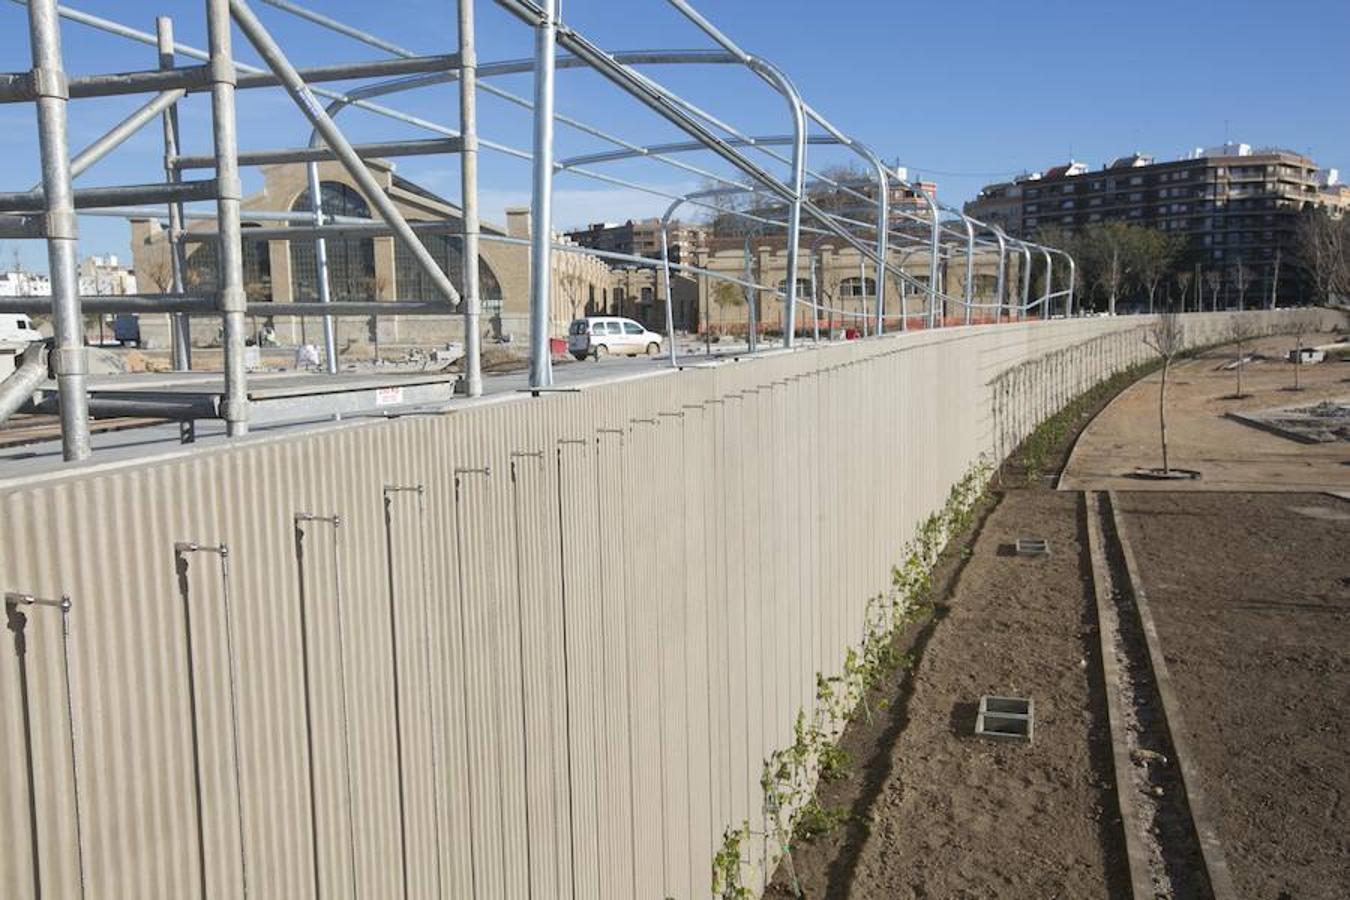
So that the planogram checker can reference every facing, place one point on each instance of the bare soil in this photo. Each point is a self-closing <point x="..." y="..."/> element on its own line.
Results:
<point x="1251" y="597"/>
<point x="936" y="812"/>
<point x="1229" y="454"/>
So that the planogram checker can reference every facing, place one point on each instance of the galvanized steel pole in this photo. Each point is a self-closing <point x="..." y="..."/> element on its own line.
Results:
<point x="181" y="325"/>
<point x="1025" y="306"/>
<point x="541" y="215"/>
<point x="69" y="357"/>
<point x="934" y="250"/>
<point x="468" y="162"/>
<point x="229" y="192"/>
<point x="670" y="305"/>
<point x="321" y="268"/>
<point x="1045" y="299"/>
<point x="970" y="268"/>
<point x="1002" y="270"/>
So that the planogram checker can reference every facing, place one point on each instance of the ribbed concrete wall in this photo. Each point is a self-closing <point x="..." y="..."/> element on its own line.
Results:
<point x="556" y="678"/>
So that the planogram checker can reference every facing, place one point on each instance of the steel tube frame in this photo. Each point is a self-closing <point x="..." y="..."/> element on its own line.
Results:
<point x="330" y="361"/>
<point x="84" y="198"/>
<point x="541" y="201"/>
<point x="118" y="134"/>
<point x="230" y="273"/>
<point x="1049" y="273"/>
<point x="58" y="202"/>
<point x="19" y="386"/>
<point x="321" y="154"/>
<point x="272" y="55"/>
<point x="181" y="349"/>
<point x="1073" y="269"/>
<point x="468" y="181"/>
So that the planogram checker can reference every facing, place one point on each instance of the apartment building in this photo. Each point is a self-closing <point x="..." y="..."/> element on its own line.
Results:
<point x="1237" y="208"/>
<point x="641" y="237"/>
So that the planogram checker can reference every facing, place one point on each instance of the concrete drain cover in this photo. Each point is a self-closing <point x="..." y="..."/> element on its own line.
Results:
<point x="1032" y="546"/>
<point x="1006" y="718"/>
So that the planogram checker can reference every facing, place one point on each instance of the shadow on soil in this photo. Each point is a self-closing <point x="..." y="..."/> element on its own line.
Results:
<point x="871" y="744"/>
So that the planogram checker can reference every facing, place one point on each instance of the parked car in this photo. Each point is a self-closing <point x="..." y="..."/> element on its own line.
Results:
<point x="599" y="336"/>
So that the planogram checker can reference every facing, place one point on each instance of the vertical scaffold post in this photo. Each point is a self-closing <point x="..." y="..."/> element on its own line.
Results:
<point x="49" y="79"/>
<point x="230" y="275"/>
<point x="181" y="332"/>
<point x="468" y="162"/>
<point x="321" y="267"/>
<point x="541" y="229"/>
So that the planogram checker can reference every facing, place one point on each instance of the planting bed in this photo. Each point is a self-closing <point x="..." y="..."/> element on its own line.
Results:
<point x="1251" y="597"/>
<point x="935" y="811"/>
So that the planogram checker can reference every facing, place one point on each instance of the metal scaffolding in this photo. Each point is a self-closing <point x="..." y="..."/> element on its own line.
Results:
<point x="883" y="236"/>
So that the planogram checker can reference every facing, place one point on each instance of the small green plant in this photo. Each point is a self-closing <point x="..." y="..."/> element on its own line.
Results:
<point x="815" y="819"/>
<point x="727" y="880"/>
<point x="793" y="811"/>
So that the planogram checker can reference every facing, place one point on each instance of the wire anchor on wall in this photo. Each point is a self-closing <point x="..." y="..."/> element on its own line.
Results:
<point x="17" y="622"/>
<point x="182" y="550"/>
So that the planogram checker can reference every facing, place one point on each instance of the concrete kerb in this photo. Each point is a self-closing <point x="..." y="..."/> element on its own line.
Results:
<point x="1211" y="849"/>
<point x="1141" y="887"/>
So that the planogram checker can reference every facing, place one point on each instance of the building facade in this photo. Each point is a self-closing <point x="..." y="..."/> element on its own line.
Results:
<point x="1237" y="208"/>
<point x="363" y="269"/>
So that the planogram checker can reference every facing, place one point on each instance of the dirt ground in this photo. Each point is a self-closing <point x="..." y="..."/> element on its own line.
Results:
<point x="1230" y="455"/>
<point x="1251" y="597"/>
<point x="939" y="813"/>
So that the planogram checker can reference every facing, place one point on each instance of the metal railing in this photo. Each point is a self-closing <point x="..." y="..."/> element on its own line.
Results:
<point x="869" y="229"/>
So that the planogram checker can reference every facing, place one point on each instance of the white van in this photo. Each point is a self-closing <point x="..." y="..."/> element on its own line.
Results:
<point x="17" y="329"/>
<point x="599" y="336"/>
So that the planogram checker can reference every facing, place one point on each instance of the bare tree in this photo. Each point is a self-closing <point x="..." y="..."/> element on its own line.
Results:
<point x="1240" y="331"/>
<point x="158" y="272"/>
<point x="726" y="294"/>
<point x="1167" y="338"/>
<point x="1242" y="279"/>
<point x="1324" y="250"/>
<point x="1153" y="253"/>
<point x="572" y="283"/>
<point x="1275" y="279"/>
<point x="1184" y="283"/>
<point x="1301" y="323"/>
<point x="1213" y="281"/>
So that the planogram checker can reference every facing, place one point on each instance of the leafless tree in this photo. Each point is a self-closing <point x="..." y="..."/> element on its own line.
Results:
<point x="726" y="294"/>
<point x="1167" y="338"/>
<point x="1301" y="323"/>
<point x="1213" y="281"/>
<point x="1240" y="331"/>
<point x="1324" y="250"/>
<point x="1242" y="279"/>
<point x="1275" y="279"/>
<point x="1184" y="283"/>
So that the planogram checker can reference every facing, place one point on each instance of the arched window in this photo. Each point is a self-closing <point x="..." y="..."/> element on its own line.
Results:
<point x="202" y="266"/>
<point x="857" y="287"/>
<point x="351" y="263"/>
<point x="412" y="283"/>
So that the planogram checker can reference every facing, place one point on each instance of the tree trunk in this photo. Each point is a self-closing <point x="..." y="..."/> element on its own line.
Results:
<point x="1162" y="413"/>
<point x="1239" y="371"/>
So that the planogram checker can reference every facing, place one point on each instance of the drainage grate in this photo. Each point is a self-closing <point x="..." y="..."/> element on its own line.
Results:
<point x="1006" y="718"/>
<point x="1032" y="546"/>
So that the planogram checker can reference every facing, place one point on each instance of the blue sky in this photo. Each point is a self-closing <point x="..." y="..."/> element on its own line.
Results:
<point x="961" y="93"/>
